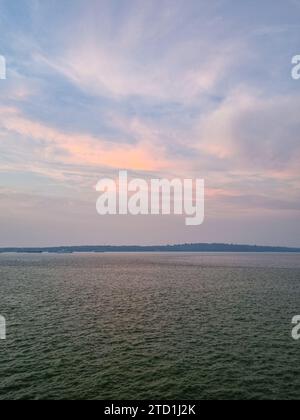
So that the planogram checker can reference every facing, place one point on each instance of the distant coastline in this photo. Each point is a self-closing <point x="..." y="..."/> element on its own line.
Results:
<point x="160" y="248"/>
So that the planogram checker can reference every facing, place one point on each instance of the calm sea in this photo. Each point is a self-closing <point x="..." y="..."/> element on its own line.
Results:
<point x="150" y="326"/>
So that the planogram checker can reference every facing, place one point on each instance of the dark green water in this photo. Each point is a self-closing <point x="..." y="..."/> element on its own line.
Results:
<point x="158" y="326"/>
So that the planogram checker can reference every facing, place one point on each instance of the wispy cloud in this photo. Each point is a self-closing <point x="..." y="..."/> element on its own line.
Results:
<point x="77" y="149"/>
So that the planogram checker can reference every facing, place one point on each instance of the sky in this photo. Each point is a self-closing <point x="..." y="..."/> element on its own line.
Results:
<point x="161" y="88"/>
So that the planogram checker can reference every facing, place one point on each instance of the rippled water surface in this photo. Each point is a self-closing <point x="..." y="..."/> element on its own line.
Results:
<point x="150" y="326"/>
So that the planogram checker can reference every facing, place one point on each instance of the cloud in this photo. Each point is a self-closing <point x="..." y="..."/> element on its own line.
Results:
<point x="129" y="57"/>
<point x="78" y="149"/>
<point x="253" y="132"/>
<point x="111" y="72"/>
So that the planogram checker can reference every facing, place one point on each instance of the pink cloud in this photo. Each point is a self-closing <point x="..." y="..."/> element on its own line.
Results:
<point x="81" y="149"/>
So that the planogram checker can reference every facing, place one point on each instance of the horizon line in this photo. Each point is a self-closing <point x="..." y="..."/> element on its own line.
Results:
<point x="183" y="247"/>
